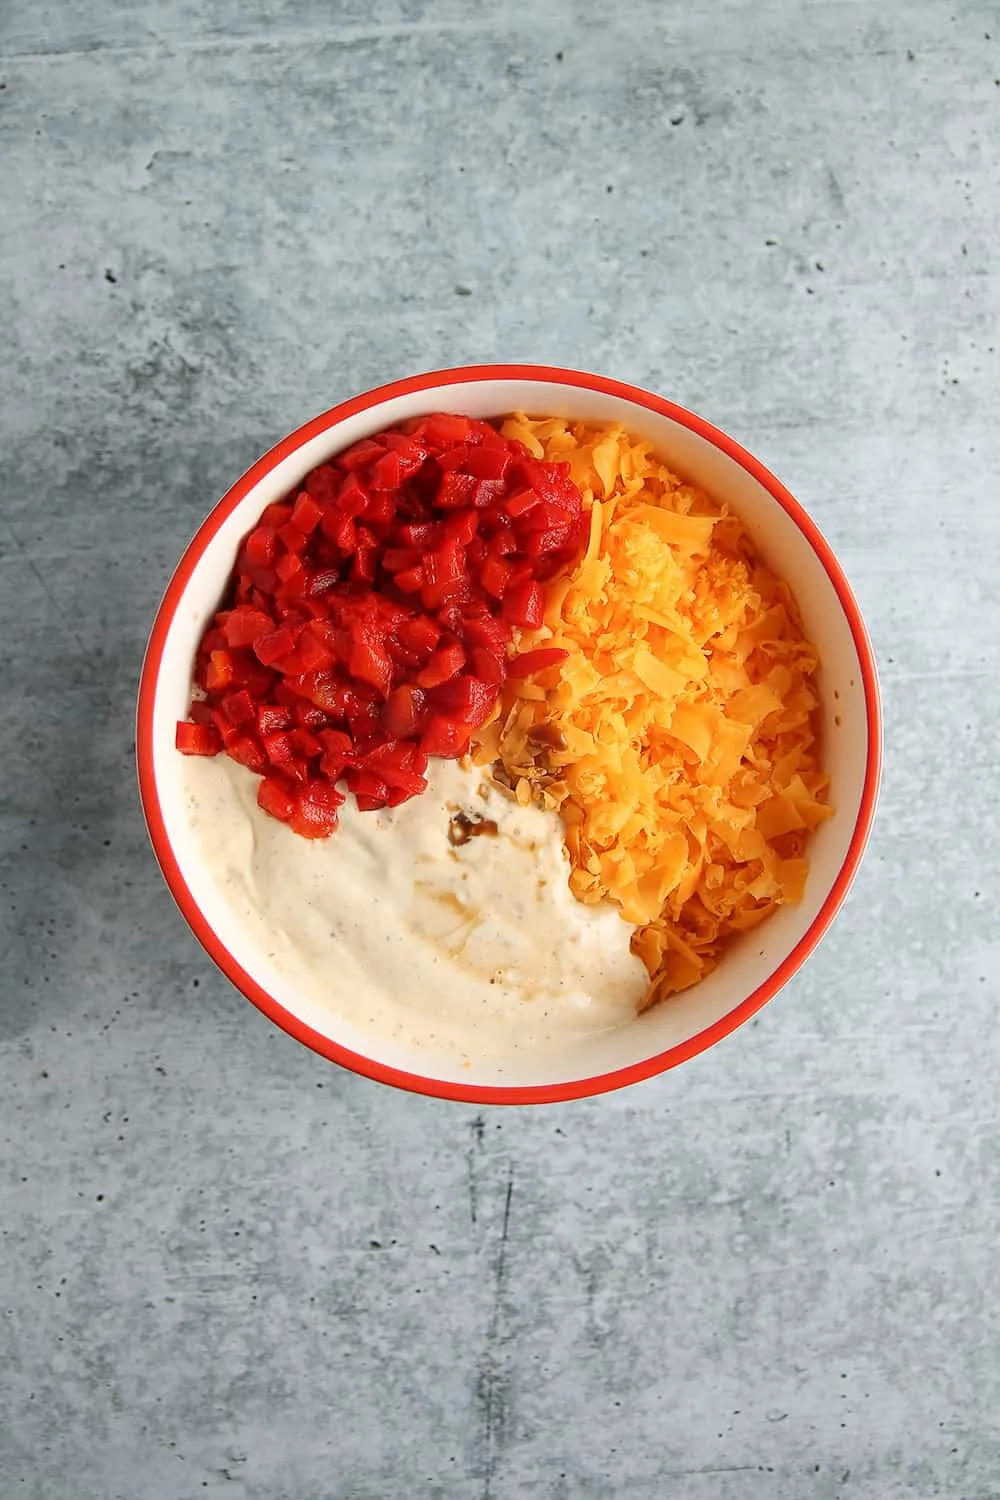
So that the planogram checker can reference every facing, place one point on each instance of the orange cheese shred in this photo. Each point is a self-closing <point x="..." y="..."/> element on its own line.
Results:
<point x="678" y="739"/>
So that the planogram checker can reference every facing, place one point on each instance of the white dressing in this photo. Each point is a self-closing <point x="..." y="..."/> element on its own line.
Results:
<point x="477" y="948"/>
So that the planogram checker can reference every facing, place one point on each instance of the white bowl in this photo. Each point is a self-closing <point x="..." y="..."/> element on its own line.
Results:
<point x="756" y="966"/>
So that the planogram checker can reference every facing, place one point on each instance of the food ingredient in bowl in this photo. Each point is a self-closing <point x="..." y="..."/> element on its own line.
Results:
<point x="472" y="948"/>
<point x="366" y="624"/>
<point x="602" y="634"/>
<point x="678" y="739"/>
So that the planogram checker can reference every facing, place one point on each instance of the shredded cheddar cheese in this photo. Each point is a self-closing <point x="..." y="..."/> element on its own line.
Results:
<point x="678" y="739"/>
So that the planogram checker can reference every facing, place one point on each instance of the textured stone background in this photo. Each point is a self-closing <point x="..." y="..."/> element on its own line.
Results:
<point x="227" y="1268"/>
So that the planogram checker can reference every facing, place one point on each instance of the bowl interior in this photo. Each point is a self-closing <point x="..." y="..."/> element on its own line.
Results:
<point x="755" y="965"/>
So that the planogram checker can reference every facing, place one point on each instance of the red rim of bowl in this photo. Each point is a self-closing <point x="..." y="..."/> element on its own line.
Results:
<point x="415" y="1082"/>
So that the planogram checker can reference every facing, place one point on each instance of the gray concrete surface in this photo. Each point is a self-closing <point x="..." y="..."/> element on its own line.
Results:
<point x="228" y="1269"/>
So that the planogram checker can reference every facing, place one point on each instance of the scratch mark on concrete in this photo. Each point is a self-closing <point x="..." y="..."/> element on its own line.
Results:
<point x="709" y="1469"/>
<point x="478" y="1128"/>
<point x="835" y="190"/>
<point x="492" y="1381"/>
<point x="344" y="37"/>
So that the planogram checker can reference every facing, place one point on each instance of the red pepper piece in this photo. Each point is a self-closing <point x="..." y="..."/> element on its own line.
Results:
<point x="363" y="722"/>
<point x="244" y="624"/>
<point x="487" y="632"/>
<point x="410" y="581"/>
<point x="261" y="547"/>
<point x="387" y="472"/>
<point x="368" y="659"/>
<point x="360" y="456"/>
<point x="272" y="717"/>
<point x="228" y="733"/>
<point x="552" y="481"/>
<point x="277" y="797"/>
<point x="409" y="444"/>
<point x="197" y="739"/>
<point x="530" y="662"/>
<point x="488" y="664"/>
<point x="239" y="707"/>
<point x="415" y="759"/>
<point x="322" y="484"/>
<point x="249" y="673"/>
<point x="279" y="748"/>
<point x="467" y="699"/>
<point x="213" y="639"/>
<point x="502" y="543"/>
<point x="419" y="634"/>
<point x="248" y="752"/>
<point x="316" y="812"/>
<point x="325" y="691"/>
<point x="200" y="711"/>
<point x="397" y="559"/>
<point x="489" y="437"/>
<point x="276" y="515"/>
<point x="472" y="609"/>
<point x="353" y="497"/>
<point x="321" y="582"/>
<point x="495" y="576"/>
<point x="545" y="515"/>
<point x="336" y="742"/>
<point x="306" y="513"/>
<point x="391" y="614"/>
<point x="444" y="575"/>
<point x="444" y="663"/>
<point x="365" y="565"/>
<point x="274" y="644"/>
<point x="456" y="458"/>
<point x="520" y="502"/>
<point x="291" y="537"/>
<point x="420" y="534"/>
<point x="333" y="766"/>
<point x="219" y="671"/>
<point x="444" y="430"/>
<point x="403" y="714"/>
<point x="487" y="493"/>
<point x="523" y="571"/>
<point x="454" y="490"/>
<point x="493" y="517"/>
<point x="392" y="763"/>
<point x="381" y="508"/>
<point x="475" y="552"/>
<point x="444" y="737"/>
<point x="289" y="566"/>
<point x="288" y="692"/>
<point x="523" y="605"/>
<point x="305" y="744"/>
<point x="367" y="784"/>
<point x="297" y="769"/>
<point x="314" y="650"/>
<point x="264" y="581"/>
<point x="461" y="527"/>
<point x="542" y="544"/>
<point x="308" y="716"/>
<point x="341" y="530"/>
<point x="488" y="462"/>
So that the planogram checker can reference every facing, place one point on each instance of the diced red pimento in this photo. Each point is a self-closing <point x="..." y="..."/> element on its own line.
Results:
<point x="530" y="662"/>
<point x="369" y="618"/>
<point x="198" y="739"/>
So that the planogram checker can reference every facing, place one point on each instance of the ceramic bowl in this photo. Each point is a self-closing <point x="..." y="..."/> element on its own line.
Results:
<point x="756" y="966"/>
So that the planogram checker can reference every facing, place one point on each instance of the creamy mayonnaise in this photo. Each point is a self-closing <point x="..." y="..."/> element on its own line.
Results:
<point x="477" y="948"/>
